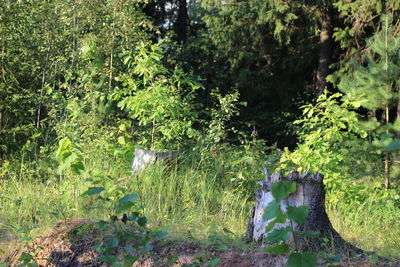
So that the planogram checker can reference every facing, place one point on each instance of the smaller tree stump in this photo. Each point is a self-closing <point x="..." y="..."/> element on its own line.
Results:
<point x="145" y="157"/>
<point x="311" y="193"/>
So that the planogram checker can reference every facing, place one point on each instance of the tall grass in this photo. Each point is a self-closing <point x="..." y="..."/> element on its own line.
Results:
<point x="371" y="225"/>
<point x="199" y="196"/>
<point x="193" y="199"/>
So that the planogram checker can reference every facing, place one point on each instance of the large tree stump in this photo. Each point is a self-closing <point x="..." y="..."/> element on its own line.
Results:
<point x="311" y="193"/>
<point x="145" y="157"/>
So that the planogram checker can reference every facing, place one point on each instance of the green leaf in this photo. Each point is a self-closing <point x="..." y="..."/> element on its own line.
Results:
<point x="142" y="221"/>
<point x="113" y="242"/>
<point x="109" y="259"/>
<point x="129" y="261"/>
<point x="93" y="191"/>
<point x="282" y="189"/>
<point x="160" y="234"/>
<point x="278" y="235"/>
<point x="280" y="219"/>
<point x="278" y="249"/>
<point x="221" y="247"/>
<point x="392" y="146"/>
<point x="213" y="262"/>
<point x="102" y="225"/>
<point x="172" y="260"/>
<point x="134" y="216"/>
<point x="148" y="248"/>
<point x="125" y="203"/>
<point x="297" y="214"/>
<point x="271" y="211"/>
<point x="302" y="260"/>
<point x="386" y="136"/>
<point x="124" y="206"/>
<point x="121" y="140"/>
<point x="228" y="231"/>
<point x="129" y="198"/>
<point x="78" y="167"/>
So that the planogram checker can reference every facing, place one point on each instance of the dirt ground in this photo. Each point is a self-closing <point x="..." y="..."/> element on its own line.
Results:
<point x="57" y="248"/>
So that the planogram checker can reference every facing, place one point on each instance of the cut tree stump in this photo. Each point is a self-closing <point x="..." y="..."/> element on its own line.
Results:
<point x="145" y="157"/>
<point x="311" y="193"/>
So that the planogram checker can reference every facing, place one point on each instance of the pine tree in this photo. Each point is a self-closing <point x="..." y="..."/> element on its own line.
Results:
<point x="375" y="82"/>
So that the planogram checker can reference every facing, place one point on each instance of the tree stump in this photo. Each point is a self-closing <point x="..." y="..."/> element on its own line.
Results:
<point x="145" y="157"/>
<point x="311" y="193"/>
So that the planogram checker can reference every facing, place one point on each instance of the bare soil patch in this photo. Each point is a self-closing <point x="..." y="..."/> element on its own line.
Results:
<point x="59" y="247"/>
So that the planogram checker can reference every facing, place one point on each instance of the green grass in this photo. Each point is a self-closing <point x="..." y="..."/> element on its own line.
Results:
<point x="192" y="201"/>
<point x="28" y="206"/>
<point x="371" y="225"/>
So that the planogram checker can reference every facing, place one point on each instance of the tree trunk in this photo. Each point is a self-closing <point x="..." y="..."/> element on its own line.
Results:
<point x="145" y="157"/>
<point x="1" y="132"/>
<point x="387" y="154"/>
<point x="325" y="51"/>
<point x="182" y="21"/>
<point x="311" y="193"/>
<point x="398" y="117"/>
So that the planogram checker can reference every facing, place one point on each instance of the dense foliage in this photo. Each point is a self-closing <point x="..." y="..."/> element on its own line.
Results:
<point x="233" y="86"/>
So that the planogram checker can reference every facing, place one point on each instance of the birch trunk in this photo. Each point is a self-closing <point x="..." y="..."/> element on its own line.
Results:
<point x="311" y="193"/>
<point x="145" y="157"/>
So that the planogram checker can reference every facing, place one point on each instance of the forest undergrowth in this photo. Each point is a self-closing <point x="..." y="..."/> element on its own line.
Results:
<point x="233" y="88"/>
<point x="192" y="202"/>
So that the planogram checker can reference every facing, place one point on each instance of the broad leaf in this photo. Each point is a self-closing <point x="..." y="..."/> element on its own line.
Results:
<point x="278" y="235"/>
<point x="148" y="248"/>
<point x="297" y="214"/>
<point x="78" y="167"/>
<point x="386" y="136"/>
<point x="271" y="211"/>
<point x="278" y="249"/>
<point x="302" y="260"/>
<point x="93" y="191"/>
<point x="109" y="259"/>
<point x="125" y="203"/>
<point x="280" y="219"/>
<point x="142" y="221"/>
<point x="124" y="206"/>
<point x="129" y="261"/>
<point x="282" y="189"/>
<point x="121" y="140"/>
<point x="134" y="216"/>
<point x="228" y="231"/>
<point x="160" y="234"/>
<point x="221" y="247"/>
<point x="129" y="198"/>
<point x="214" y="262"/>
<point x="392" y="146"/>
<point x="113" y="242"/>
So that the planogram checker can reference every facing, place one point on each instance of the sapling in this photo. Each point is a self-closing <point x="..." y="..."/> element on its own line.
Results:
<point x="285" y="237"/>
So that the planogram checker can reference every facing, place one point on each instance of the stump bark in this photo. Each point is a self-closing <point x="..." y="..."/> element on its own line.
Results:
<point x="147" y="157"/>
<point x="311" y="193"/>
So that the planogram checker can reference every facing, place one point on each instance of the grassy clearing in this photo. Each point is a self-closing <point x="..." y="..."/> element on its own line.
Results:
<point x="192" y="201"/>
